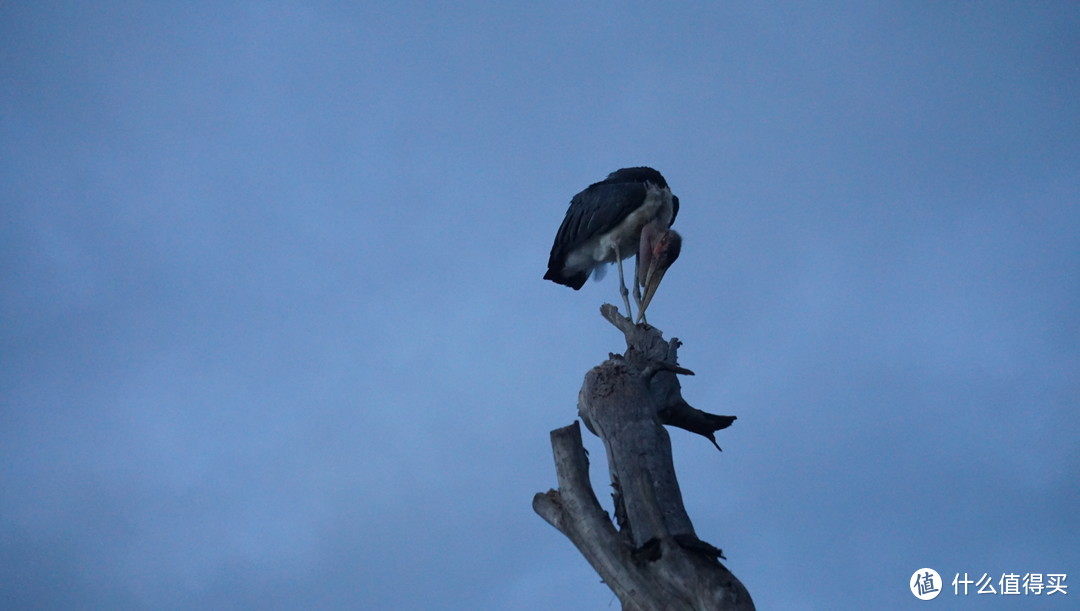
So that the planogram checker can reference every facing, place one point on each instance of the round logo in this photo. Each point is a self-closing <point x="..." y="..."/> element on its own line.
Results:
<point x="925" y="584"/>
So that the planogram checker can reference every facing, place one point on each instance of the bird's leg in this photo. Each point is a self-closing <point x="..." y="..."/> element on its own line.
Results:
<point x="622" y="284"/>
<point x="637" y="290"/>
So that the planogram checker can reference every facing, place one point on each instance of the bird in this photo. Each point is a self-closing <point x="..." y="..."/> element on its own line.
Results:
<point x="629" y="212"/>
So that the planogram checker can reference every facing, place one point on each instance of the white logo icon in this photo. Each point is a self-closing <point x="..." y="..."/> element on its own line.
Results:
<point x="925" y="584"/>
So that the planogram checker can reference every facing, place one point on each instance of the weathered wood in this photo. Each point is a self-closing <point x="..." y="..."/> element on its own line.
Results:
<point x="647" y="350"/>
<point x="655" y="560"/>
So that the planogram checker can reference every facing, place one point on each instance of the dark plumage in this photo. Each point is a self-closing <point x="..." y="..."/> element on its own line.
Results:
<point x="627" y="213"/>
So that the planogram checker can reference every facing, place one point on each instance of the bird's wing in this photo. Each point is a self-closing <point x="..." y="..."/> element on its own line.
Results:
<point x="593" y="212"/>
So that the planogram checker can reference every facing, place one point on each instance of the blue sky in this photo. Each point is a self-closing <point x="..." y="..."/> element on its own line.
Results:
<point x="273" y="332"/>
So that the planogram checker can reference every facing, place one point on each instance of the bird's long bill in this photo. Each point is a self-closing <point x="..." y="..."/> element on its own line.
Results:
<point x="652" y="280"/>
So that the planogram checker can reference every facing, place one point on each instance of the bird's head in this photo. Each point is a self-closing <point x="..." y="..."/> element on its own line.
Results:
<point x="659" y="248"/>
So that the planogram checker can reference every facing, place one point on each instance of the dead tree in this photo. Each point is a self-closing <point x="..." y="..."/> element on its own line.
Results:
<point x="654" y="560"/>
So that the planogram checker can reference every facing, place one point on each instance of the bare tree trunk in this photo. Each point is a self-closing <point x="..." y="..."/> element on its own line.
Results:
<point x="655" y="560"/>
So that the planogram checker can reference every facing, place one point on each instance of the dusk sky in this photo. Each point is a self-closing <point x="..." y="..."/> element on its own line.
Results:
<point x="274" y="334"/>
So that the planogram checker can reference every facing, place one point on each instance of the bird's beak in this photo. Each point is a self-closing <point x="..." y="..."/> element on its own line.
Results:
<point x="653" y="277"/>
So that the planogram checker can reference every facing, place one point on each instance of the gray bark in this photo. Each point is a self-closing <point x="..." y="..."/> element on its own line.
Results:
<point x="654" y="560"/>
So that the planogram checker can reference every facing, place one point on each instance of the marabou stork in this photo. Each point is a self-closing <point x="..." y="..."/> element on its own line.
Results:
<point x="629" y="211"/>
